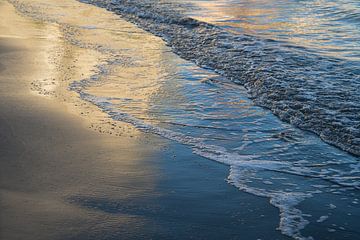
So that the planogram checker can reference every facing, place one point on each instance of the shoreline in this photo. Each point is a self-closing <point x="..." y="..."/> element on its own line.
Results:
<point x="62" y="180"/>
<point x="298" y="106"/>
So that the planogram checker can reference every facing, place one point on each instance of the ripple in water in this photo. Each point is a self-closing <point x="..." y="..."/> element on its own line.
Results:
<point x="300" y="174"/>
<point x="313" y="85"/>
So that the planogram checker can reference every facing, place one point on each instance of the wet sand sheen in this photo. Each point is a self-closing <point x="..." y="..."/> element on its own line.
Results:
<point x="62" y="180"/>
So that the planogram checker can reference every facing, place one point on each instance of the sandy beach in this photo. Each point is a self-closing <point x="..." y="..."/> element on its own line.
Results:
<point x="64" y="178"/>
<point x="146" y="119"/>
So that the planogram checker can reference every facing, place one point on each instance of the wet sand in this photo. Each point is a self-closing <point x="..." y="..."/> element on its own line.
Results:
<point x="60" y="179"/>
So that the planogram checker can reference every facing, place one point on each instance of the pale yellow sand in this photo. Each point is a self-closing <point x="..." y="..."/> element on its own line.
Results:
<point x="47" y="149"/>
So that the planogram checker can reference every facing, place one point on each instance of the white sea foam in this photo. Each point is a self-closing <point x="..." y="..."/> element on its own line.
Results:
<point x="322" y="219"/>
<point x="291" y="218"/>
<point x="243" y="168"/>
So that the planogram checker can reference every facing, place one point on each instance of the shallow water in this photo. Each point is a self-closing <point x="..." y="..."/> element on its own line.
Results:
<point x="306" y="73"/>
<point x="314" y="185"/>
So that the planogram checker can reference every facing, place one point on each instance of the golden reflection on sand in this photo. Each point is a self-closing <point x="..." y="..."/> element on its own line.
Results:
<point x="54" y="63"/>
<point x="143" y="59"/>
<point x="62" y="158"/>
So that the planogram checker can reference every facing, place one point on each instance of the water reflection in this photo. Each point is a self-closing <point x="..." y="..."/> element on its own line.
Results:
<point x="329" y="27"/>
